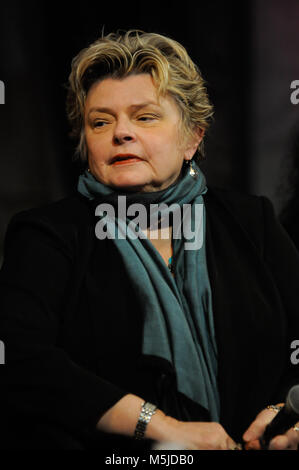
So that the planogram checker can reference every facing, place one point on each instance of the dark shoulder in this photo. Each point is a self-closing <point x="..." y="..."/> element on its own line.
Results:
<point x="70" y="208"/>
<point x="73" y="209"/>
<point x="251" y="213"/>
<point x="243" y="206"/>
<point x="234" y="197"/>
<point x="66" y="223"/>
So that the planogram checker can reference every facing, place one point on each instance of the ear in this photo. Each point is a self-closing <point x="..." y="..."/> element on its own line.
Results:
<point x="193" y="143"/>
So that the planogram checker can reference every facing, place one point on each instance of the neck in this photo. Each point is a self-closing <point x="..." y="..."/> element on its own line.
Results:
<point x="161" y="239"/>
<point x="162" y="235"/>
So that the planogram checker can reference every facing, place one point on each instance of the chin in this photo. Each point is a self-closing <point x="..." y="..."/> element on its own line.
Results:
<point x="130" y="184"/>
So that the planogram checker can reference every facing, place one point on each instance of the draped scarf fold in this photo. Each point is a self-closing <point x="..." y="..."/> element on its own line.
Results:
<point x="178" y="315"/>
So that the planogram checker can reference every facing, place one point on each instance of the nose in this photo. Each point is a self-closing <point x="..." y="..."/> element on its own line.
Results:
<point x="123" y="132"/>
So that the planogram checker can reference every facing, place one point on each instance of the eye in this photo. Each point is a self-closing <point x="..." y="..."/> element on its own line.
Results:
<point x="147" y="117"/>
<point x="99" y="123"/>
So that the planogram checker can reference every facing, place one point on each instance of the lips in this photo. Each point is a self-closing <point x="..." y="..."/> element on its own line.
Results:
<point x="124" y="158"/>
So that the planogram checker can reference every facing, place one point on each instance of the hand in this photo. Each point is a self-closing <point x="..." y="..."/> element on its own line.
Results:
<point x="196" y="435"/>
<point x="287" y="441"/>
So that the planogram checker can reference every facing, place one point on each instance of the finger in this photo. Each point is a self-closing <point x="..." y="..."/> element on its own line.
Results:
<point x="257" y="427"/>
<point x="287" y="441"/>
<point x="253" y="445"/>
<point x="279" y="443"/>
<point x="293" y="438"/>
<point x="295" y="435"/>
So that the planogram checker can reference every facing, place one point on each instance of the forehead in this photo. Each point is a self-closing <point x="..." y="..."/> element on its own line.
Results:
<point x="116" y="93"/>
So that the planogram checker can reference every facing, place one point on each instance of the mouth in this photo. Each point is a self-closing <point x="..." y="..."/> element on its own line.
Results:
<point x="125" y="158"/>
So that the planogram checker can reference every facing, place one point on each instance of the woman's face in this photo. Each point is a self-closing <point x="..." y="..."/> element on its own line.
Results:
<point x="134" y="139"/>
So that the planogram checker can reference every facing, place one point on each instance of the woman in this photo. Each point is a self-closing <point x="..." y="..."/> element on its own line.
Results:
<point x="114" y="327"/>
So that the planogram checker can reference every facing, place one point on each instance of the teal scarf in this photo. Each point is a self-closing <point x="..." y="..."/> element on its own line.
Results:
<point x="178" y="317"/>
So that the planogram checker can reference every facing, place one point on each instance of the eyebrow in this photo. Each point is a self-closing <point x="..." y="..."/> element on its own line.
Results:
<point x="133" y="107"/>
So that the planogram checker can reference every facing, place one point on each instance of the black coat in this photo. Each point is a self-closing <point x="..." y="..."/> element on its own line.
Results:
<point x="72" y="324"/>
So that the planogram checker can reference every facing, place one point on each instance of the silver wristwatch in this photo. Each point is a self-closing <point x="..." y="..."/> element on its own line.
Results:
<point x="147" y="411"/>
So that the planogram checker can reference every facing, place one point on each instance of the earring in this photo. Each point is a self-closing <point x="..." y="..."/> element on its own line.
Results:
<point x="192" y="171"/>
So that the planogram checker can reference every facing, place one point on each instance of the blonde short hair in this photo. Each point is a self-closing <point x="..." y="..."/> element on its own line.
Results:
<point x="118" y="55"/>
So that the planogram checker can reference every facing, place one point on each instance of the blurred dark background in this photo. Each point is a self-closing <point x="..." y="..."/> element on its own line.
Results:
<point x="247" y="52"/>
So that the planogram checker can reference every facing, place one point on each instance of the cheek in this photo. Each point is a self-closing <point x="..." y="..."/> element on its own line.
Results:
<point x="173" y="137"/>
<point x="95" y="147"/>
<point x="172" y="147"/>
<point x="164" y="142"/>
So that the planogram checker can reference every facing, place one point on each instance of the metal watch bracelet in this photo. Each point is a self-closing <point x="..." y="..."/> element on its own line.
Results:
<point x="147" y="411"/>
